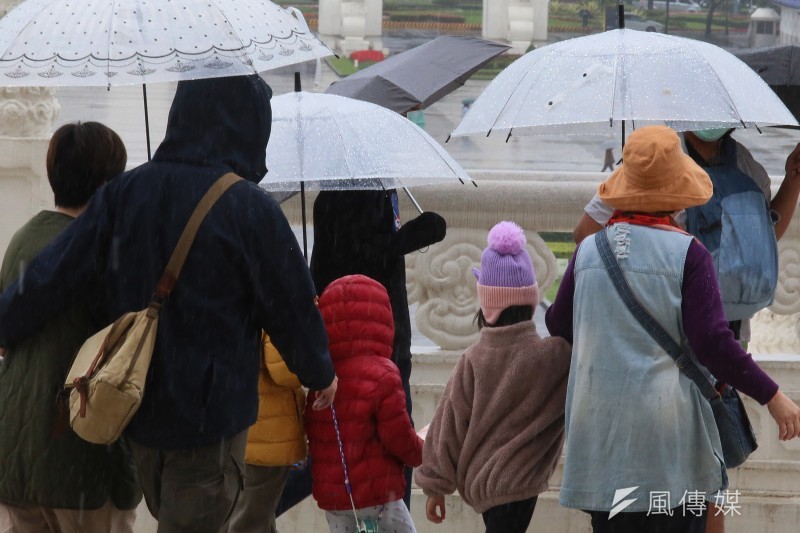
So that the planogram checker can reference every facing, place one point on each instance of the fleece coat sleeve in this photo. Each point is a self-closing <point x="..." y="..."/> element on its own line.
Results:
<point x="395" y="430"/>
<point x="447" y="433"/>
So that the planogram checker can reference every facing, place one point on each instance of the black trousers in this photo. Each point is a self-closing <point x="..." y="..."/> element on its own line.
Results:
<point x="514" y="517"/>
<point x="642" y="523"/>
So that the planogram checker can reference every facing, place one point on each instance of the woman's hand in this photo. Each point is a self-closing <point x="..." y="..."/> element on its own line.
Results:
<point x="792" y="165"/>
<point x="786" y="414"/>
<point x="434" y="508"/>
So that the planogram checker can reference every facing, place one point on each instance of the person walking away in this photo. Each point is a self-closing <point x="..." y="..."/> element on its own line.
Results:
<point x="635" y="421"/>
<point x="497" y="432"/>
<point x="50" y="479"/>
<point x="608" y="160"/>
<point x="243" y="274"/>
<point x="371" y="435"/>
<point x="275" y="443"/>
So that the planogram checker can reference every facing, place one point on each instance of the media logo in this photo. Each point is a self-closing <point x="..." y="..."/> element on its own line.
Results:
<point x="619" y="504"/>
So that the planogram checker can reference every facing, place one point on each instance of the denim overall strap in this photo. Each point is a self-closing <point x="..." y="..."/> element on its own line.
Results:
<point x="685" y="363"/>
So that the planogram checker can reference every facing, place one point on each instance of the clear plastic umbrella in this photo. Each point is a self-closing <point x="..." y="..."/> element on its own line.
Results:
<point x="332" y="142"/>
<point x="599" y="83"/>
<point x="127" y="42"/>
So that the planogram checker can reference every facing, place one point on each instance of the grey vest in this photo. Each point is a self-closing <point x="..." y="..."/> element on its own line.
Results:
<point x="632" y="419"/>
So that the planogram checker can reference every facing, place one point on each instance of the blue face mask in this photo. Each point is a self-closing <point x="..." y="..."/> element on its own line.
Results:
<point x="711" y="135"/>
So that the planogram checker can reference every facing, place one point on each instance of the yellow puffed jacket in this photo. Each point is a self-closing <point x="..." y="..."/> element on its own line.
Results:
<point x="278" y="437"/>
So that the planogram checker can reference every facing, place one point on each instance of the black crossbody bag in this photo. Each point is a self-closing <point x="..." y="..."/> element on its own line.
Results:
<point x="735" y="432"/>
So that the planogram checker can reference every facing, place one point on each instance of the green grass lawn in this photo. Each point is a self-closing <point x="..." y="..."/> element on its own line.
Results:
<point x="563" y="250"/>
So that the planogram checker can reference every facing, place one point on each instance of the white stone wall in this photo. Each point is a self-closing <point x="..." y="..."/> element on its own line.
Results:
<point x="26" y="118"/>
<point x="351" y="25"/>
<point x="790" y="26"/>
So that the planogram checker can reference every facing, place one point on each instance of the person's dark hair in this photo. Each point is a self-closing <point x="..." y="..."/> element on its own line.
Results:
<point x="80" y="158"/>
<point x="508" y="316"/>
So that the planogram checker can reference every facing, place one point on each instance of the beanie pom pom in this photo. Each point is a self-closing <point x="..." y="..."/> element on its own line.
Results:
<point x="506" y="238"/>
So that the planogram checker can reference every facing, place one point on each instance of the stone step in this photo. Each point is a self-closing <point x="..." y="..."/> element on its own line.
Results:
<point x="757" y="515"/>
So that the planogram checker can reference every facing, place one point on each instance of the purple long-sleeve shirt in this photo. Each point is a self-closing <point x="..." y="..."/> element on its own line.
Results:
<point x="704" y="323"/>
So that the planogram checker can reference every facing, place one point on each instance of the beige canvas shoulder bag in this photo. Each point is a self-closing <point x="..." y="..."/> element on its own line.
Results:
<point x="106" y="381"/>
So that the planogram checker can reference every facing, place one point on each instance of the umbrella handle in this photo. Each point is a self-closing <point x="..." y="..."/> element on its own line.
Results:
<point x="413" y="200"/>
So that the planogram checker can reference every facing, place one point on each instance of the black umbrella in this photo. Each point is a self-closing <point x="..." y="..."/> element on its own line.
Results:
<point x="420" y="76"/>
<point x="779" y="66"/>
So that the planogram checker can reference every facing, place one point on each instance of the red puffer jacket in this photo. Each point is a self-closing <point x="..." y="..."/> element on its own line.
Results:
<point x="376" y="432"/>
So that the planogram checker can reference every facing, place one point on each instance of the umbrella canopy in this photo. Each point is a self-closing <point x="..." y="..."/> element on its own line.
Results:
<point x="596" y="84"/>
<point x="420" y="76"/>
<point x="779" y="66"/>
<point x="125" y="42"/>
<point x="331" y="142"/>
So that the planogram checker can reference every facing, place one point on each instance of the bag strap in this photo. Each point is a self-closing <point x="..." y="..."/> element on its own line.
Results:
<point x="178" y="258"/>
<point x="685" y="362"/>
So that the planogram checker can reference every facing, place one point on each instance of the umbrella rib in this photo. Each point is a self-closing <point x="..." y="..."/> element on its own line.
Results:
<point x="238" y="38"/>
<point x="30" y="20"/>
<point x="544" y="54"/>
<point x="419" y="132"/>
<point x="714" y="71"/>
<point x="617" y="57"/>
<point x="342" y="141"/>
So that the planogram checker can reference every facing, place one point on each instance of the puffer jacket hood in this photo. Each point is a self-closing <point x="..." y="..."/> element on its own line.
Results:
<point x="358" y="316"/>
<point x="230" y="133"/>
<point x="377" y="436"/>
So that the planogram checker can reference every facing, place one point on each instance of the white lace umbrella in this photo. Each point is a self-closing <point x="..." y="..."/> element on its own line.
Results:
<point x="599" y="83"/>
<point x="127" y="42"/>
<point x="327" y="142"/>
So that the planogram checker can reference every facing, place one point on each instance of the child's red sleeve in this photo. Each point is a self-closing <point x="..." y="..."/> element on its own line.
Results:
<point x="394" y="425"/>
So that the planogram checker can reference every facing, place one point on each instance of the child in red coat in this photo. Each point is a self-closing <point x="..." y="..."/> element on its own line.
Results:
<point x="376" y="438"/>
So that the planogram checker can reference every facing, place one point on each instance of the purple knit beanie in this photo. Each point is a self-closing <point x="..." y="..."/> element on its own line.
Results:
<point x="506" y="276"/>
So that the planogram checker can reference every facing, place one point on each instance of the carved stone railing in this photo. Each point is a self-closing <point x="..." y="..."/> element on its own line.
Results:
<point x="26" y="122"/>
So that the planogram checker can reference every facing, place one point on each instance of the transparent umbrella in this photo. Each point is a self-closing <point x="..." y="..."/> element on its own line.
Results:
<point x="127" y="42"/>
<point x="328" y="142"/>
<point x="332" y="142"/>
<point x="598" y="83"/>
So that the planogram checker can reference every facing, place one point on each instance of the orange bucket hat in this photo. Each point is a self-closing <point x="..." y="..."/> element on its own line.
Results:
<point x="656" y="175"/>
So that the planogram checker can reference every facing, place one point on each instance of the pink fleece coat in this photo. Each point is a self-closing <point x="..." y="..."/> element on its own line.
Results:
<point x="497" y="432"/>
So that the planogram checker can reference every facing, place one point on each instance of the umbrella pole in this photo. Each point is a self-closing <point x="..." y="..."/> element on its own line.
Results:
<point x="303" y="211"/>
<point x="302" y="185"/>
<point x="621" y="20"/>
<point x="413" y="200"/>
<point x="146" y="120"/>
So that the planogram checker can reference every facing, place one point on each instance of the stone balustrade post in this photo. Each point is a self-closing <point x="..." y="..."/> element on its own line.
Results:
<point x="26" y="121"/>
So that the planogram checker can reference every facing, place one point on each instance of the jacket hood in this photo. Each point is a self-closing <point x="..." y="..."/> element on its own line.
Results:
<point x="358" y="317"/>
<point x="222" y="122"/>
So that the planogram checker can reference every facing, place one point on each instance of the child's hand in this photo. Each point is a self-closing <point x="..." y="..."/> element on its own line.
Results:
<point x="434" y="509"/>
<point x="324" y="398"/>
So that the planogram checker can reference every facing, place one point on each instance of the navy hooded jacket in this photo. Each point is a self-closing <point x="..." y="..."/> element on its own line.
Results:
<point x="244" y="272"/>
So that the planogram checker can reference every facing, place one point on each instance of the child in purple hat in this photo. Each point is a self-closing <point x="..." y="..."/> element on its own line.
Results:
<point x="497" y="432"/>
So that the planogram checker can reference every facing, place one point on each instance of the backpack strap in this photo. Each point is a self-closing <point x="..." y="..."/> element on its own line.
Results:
<point x="685" y="363"/>
<point x="178" y="258"/>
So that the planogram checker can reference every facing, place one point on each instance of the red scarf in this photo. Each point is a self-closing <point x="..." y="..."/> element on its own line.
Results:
<point x="665" y="222"/>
